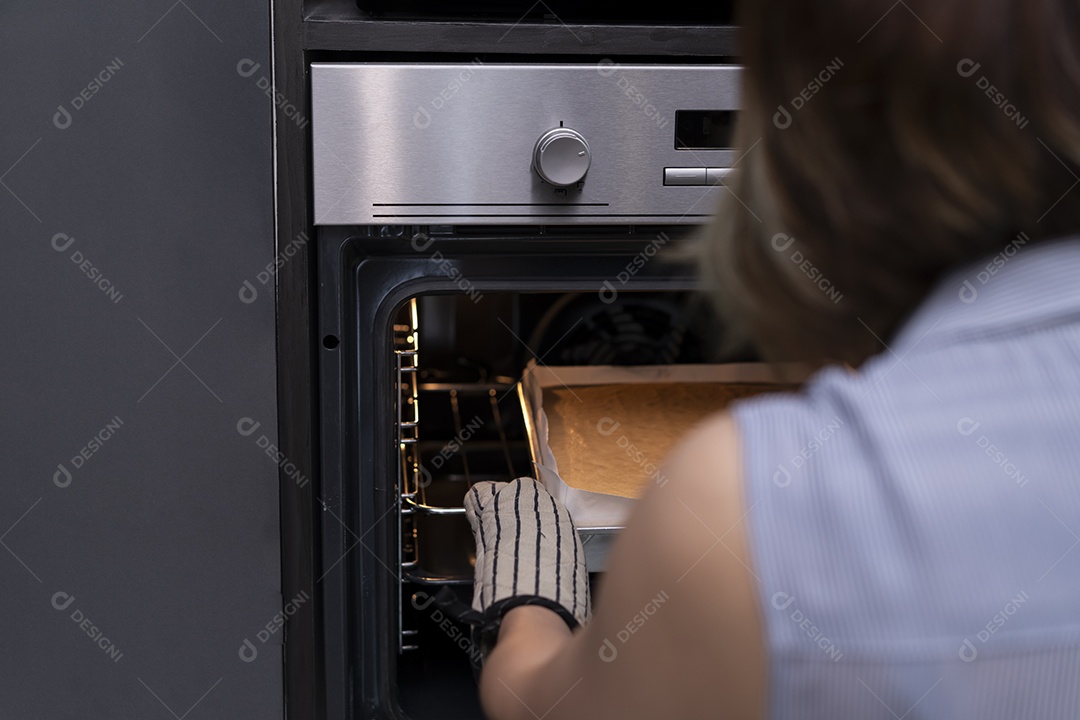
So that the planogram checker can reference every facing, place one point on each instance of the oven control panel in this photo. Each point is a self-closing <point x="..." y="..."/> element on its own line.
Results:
<point x="476" y="143"/>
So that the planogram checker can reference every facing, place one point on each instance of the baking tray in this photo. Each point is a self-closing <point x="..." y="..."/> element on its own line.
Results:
<point x="599" y="516"/>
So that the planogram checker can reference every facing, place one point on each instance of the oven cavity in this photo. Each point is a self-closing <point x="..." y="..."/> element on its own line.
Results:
<point x="459" y="421"/>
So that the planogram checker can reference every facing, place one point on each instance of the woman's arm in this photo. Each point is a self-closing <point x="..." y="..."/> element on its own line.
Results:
<point x="675" y="630"/>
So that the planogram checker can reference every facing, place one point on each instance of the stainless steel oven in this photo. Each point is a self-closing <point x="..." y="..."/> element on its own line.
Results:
<point x="471" y="217"/>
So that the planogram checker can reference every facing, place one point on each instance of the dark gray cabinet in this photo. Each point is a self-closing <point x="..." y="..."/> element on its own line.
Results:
<point x="139" y="511"/>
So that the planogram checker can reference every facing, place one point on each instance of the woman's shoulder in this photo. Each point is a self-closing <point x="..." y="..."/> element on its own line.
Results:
<point x="681" y="584"/>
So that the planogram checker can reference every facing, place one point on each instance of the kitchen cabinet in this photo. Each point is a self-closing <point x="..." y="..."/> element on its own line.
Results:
<point x="139" y="516"/>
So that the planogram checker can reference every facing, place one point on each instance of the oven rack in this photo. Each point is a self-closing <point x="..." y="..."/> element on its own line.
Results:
<point x="406" y="355"/>
<point x="436" y="473"/>
<point x="435" y="542"/>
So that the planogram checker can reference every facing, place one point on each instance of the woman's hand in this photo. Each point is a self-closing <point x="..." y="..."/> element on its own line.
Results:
<point x="527" y="553"/>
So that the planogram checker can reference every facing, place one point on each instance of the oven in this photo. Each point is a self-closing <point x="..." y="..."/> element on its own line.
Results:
<point x="472" y="217"/>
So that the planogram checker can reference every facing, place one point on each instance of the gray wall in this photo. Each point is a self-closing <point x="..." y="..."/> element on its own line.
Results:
<point x="165" y="536"/>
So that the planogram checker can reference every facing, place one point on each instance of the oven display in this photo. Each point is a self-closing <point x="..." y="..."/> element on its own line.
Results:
<point x="704" y="129"/>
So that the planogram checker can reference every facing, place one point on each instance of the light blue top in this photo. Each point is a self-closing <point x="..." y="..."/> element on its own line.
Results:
<point x="915" y="526"/>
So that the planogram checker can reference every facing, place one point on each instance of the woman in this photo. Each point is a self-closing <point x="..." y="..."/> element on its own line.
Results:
<point x="899" y="539"/>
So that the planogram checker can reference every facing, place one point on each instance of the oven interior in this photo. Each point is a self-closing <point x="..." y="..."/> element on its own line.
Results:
<point x="460" y="421"/>
<point x="426" y="332"/>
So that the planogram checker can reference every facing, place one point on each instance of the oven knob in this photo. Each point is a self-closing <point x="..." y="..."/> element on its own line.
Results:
<point x="561" y="156"/>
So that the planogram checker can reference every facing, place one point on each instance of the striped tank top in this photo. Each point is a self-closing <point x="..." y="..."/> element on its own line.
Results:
<point x="915" y="526"/>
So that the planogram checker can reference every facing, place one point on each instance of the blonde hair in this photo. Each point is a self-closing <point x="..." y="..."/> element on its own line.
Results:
<point x="880" y="150"/>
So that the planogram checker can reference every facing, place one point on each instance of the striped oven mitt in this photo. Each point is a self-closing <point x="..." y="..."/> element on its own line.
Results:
<point x="527" y="553"/>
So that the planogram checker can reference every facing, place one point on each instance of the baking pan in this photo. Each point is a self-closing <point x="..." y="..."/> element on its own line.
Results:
<point x="599" y="516"/>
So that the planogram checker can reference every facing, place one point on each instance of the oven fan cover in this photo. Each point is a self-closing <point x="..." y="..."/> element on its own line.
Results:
<point x="631" y="330"/>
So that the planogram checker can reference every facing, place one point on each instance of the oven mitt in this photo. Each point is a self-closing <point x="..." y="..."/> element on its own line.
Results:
<point x="527" y="553"/>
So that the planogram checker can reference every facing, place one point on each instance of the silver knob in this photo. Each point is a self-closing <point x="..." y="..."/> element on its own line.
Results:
<point x="561" y="156"/>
